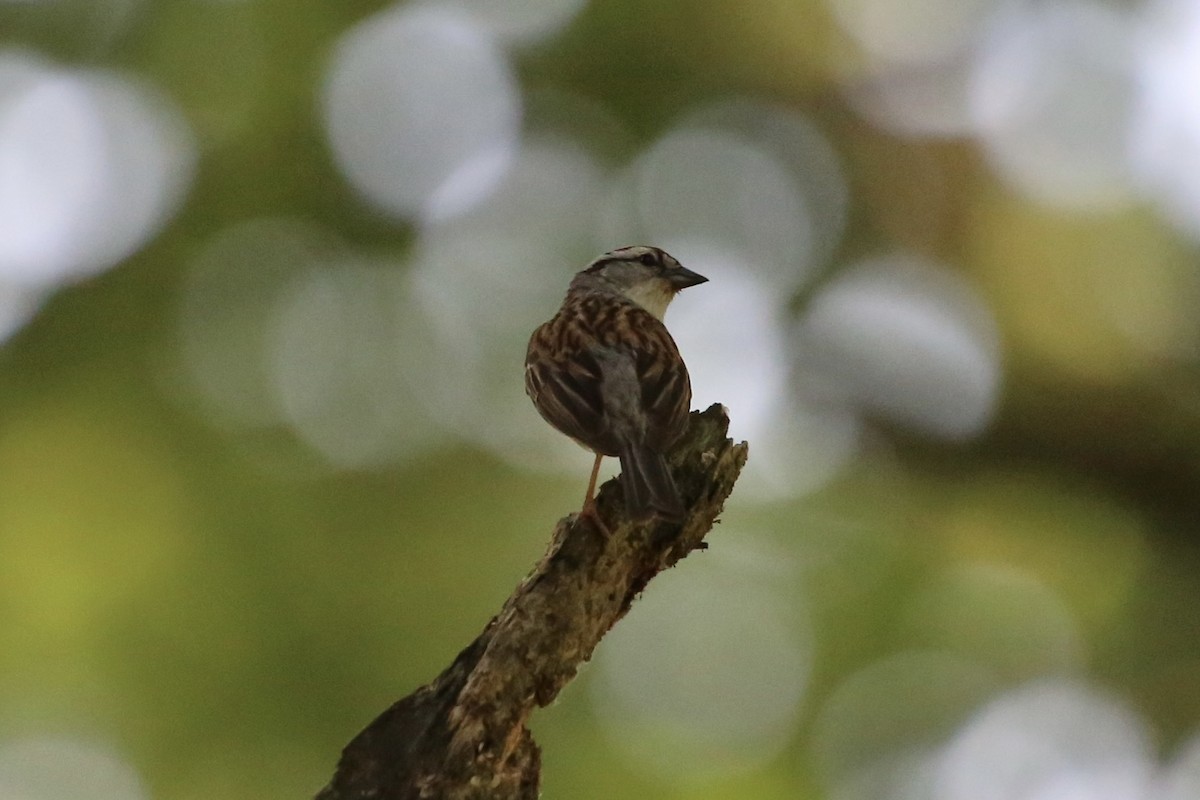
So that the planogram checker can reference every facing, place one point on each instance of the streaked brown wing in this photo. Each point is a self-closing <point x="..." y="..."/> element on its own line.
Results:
<point x="665" y="386"/>
<point x="565" y="389"/>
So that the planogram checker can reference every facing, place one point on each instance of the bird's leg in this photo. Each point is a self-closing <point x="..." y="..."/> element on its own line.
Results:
<point x="589" y="501"/>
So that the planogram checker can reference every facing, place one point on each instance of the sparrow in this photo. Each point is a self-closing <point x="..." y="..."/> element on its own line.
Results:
<point x="605" y="372"/>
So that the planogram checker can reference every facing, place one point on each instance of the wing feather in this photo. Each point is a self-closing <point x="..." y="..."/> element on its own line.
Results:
<point x="570" y="382"/>
<point x="665" y="387"/>
<point x="566" y="390"/>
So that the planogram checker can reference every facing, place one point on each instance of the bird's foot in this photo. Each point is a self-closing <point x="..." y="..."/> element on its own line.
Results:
<point x="591" y="511"/>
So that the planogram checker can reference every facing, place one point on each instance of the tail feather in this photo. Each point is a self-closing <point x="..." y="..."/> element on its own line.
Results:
<point x="648" y="485"/>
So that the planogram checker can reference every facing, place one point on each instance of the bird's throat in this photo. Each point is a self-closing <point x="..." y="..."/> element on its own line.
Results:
<point x="654" y="296"/>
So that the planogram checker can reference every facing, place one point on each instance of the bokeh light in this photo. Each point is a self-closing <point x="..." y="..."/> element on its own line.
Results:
<point x="1051" y="99"/>
<point x="224" y="319"/>
<point x="421" y="110"/>
<point x="1182" y="777"/>
<point x="734" y="341"/>
<point x="907" y="340"/>
<point x="798" y="144"/>
<point x="91" y="164"/>
<point x="337" y="368"/>
<point x="876" y="734"/>
<point x="484" y="280"/>
<point x="18" y="304"/>
<point x="524" y="22"/>
<point x="925" y="31"/>
<point x="922" y="100"/>
<point x="709" y="676"/>
<point x="711" y="187"/>
<point x="1052" y="739"/>
<point x="64" y="769"/>
<point x="1166" y="145"/>
<point x="465" y="286"/>
<point x="913" y="76"/>
<point x="740" y="179"/>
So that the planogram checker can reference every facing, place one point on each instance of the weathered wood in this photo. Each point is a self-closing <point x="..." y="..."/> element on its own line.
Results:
<point x="464" y="735"/>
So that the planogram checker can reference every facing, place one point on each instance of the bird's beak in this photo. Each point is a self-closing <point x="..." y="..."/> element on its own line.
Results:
<point x="683" y="277"/>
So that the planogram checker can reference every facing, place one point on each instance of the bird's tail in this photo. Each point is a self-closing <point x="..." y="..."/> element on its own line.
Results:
<point x="648" y="485"/>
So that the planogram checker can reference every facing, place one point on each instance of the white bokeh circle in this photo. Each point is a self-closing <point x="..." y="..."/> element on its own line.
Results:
<point x="520" y="22"/>
<point x="905" y="339"/>
<point x="92" y="163"/>
<point x="709" y="676"/>
<point x="341" y="333"/>
<point x="1166" y="141"/>
<point x="422" y="110"/>
<point x="1049" y="739"/>
<point x="1051" y="99"/>
<point x="916" y="32"/>
<point x="62" y="768"/>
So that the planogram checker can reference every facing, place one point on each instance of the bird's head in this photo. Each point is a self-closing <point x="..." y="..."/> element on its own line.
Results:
<point x="648" y="276"/>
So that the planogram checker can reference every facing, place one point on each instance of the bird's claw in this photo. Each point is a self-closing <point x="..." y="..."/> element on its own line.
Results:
<point x="592" y="511"/>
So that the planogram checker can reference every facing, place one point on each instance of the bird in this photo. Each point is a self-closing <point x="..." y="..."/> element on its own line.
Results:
<point x="605" y="372"/>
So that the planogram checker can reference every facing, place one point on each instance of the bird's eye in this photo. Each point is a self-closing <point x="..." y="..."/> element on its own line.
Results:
<point x="650" y="259"/>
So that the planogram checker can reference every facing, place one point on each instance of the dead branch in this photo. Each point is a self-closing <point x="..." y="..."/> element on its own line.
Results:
<point x="464" y="735"/>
